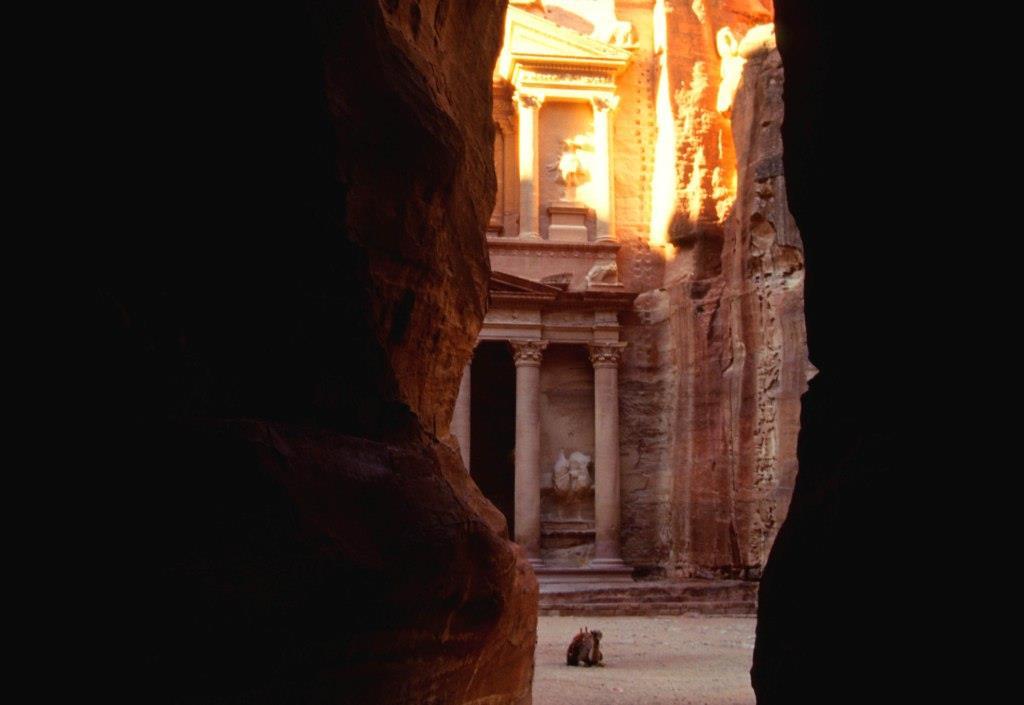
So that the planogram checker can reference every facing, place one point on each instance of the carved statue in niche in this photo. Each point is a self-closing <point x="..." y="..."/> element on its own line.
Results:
<point x="571" y="166"/>
<point x="572" y="477"/>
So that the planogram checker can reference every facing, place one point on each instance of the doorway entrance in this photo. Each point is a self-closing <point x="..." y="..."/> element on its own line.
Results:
<point x="493" y="430"/>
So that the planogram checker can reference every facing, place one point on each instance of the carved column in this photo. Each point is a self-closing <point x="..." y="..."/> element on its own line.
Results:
<point x="461" y="416"/>
<point x="528" y="355"/>
<point x="604" y="195"/>
<point x="605" y="358"/>
<point x="529" y="163"/>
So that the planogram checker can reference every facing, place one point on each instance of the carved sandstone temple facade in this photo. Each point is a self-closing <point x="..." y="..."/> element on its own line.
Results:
<point x="633" y="402"/>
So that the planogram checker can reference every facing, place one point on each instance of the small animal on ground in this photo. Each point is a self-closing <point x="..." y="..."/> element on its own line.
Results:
<point x="585" y="649"/>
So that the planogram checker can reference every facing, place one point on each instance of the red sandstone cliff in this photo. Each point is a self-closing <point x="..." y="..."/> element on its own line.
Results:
<point x="717" y="358"/>
<point x="744" y="362"/>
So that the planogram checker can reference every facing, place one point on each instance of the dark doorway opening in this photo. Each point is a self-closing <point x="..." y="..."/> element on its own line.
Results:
<point x="493" y="426"/>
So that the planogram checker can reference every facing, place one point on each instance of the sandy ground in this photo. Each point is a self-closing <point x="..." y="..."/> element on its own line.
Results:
<point x="648" y="661"/>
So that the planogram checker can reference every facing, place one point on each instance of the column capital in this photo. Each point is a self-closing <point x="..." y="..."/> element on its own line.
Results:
<point x="605" y="354"/>
<point x="604" y="101"/>
<point x="528" y="100"/>
<point x="528" y="352"/>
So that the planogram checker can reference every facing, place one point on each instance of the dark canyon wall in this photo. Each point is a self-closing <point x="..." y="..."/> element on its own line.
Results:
<point x="281" y="339"/>
<point x="839" y="619"/>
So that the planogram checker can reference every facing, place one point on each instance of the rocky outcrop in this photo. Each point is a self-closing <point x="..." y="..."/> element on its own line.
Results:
<point x="309" y="566"/>
<point x="414" y="134"/>
<point x="284" y="371"/>
<point x="718" y="355"/>
<point x="744" y="356"/>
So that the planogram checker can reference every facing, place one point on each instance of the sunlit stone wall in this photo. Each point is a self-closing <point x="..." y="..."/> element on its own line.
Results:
<point x="716" y="362"/>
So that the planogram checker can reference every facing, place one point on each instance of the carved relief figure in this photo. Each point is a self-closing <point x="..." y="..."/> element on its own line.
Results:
<point x="734" y="53"/>
<point x="603" y="273"/>
<point x="731" y="70"/>
<point x="571" y="475"/>
<point x="571" y="166"/>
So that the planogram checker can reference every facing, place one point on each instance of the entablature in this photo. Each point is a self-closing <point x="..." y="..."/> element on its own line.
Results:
<point x="521" y="309"/>
<point x="557" y="61"/>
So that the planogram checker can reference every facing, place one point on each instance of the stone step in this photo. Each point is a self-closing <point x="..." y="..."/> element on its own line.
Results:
<point x="636" y="609"/>
<point x="634" y="590"/>
<point x="582" y="577"/>
<point x="665" y="598"/>
<point x="653" y="596"/>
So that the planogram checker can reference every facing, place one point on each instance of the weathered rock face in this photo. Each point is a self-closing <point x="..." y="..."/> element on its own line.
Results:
<point x="745" y="361"/>
<point x="406" y="98"/>
<point x="284" y="373"/>
<point x="717" y="358"/>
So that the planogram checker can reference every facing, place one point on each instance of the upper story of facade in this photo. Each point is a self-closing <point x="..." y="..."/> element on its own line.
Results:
<point x="555" y="89"/>
<point x="613" y="139"/>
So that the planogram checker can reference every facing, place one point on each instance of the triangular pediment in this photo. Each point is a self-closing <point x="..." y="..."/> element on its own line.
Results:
<point x="531" y="37"/>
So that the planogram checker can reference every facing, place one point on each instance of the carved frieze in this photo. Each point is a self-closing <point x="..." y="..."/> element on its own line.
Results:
<point x="546" y="248"/>
<point x="572" y="77"/>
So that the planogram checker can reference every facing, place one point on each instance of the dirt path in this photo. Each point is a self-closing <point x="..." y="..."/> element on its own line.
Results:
<point x="649" y="661"/>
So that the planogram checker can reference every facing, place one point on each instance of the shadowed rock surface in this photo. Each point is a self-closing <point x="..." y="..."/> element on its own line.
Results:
<point x="283" y="357"/>
<point x="837" y="616"/>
